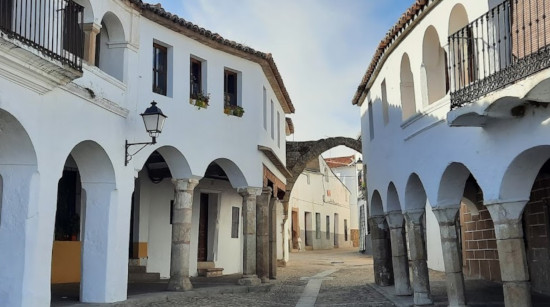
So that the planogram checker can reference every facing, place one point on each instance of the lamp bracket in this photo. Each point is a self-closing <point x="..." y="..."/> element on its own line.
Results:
<point x="144" y="144"/>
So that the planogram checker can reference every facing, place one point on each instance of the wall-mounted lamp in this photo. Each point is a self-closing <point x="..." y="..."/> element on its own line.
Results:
<point x="153" y="118"/>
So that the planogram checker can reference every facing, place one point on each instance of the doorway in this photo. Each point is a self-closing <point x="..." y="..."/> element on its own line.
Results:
<point x="336" y="234"/>
<point x="202" y="254"/>
<point x="295" y="229"/>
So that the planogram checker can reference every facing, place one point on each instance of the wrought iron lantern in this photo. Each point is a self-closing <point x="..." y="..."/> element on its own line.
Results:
<point x="153" y="119"/>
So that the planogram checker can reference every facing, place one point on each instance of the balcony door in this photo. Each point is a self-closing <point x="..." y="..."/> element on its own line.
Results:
<point x="6" y="12"/>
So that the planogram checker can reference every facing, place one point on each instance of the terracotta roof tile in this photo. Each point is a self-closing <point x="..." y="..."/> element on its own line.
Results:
<point x="216" y="38"/>
<point x="413" y="13"/>
<point x="340" y="161"/>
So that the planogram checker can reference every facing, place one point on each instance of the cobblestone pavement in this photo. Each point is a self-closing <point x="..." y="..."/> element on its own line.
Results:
<point x="345" y="287"/>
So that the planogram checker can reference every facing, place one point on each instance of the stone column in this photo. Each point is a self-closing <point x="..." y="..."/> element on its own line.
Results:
<point x="91" y="30"/>
<point x="249" y="236"/>
<point x="181" y="234"/>
<point x="383" y="272"/>
<point x="262" y="236"/>
<point x="399" y="253"/>
<point x="273" y="238"/>
<point x="514" y="271"/>
<point x="417" y="250"/>
<point x="451" y="254"/>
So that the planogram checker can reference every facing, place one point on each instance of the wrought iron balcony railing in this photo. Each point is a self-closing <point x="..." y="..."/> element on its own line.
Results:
<point x="53" y="27"/>
<point x="508" y="43"/>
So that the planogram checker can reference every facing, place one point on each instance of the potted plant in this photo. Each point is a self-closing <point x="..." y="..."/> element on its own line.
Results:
<point x="199" y="99"/>
<point x="233" y="110"/>
<point x="238" y="111"/>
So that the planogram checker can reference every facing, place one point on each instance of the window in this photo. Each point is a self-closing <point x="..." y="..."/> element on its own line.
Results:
<point x="371" y="123"/>
<point x="385" y="106"/>
<point x="272" y="120"/>
<point x="235" y="222"/>
<point x="230" y="88"/>
<point x="73" y="38"/>
<point x="195" y="86"/>
<point x="160" y="69"/>
<point x="328" y="227"/>
<point x="171" y="211"/>
<point x="278" y="129"/>
<point x="318" y="225"/>
<point x="265" y="110"/>
<point x="345" y="230"/>
<point x="6" y="7"/>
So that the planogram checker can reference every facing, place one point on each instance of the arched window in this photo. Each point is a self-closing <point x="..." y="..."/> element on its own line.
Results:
<point x="408" y="101"/>
<point x="111" y="46"/>
<point x="433" y="61"/>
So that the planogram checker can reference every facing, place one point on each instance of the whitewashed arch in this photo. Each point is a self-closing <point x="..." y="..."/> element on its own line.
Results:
<point x="458" y="18"/>
<point x="433" y="65"/>
<point x="376" y="206"/>
<point x="415" y="195"/>
<point x="408" y="100"/>
<point x="392" y="203"/>
<point x="233" y="172"/>
<point x="111" y="46"/>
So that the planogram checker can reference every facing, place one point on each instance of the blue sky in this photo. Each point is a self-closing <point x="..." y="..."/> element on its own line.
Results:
<point x="322" y="49"/>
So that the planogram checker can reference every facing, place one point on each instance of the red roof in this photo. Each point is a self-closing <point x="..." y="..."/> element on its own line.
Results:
<point x="340" y="161"/>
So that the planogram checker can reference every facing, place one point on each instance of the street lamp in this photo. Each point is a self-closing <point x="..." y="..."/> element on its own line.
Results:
<point x="154" y="119"/>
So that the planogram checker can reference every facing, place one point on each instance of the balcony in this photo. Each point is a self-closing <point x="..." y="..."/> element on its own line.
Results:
<point x="509" y="43"/>
<point x="41" y="42"/>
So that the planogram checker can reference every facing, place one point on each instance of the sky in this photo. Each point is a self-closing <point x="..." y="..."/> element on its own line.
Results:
<point x="322" y="49"/>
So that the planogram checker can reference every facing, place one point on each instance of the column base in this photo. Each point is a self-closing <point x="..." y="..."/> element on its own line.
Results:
<point x="180" y="284"/>
<point x="422" y="299"/>
<point x="264" y="280"/>
<point x="249" y="280"/>
<point x="517" y="293"/>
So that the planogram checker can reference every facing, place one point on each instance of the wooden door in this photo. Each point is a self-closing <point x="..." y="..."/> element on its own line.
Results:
<point x="203" y="229"/>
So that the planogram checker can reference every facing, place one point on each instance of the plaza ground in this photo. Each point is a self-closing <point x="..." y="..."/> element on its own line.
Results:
<point x="350" y="283"/>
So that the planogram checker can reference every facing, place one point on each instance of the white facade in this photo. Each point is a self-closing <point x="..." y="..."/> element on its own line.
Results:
<point x="49" y="114"/>
<point x="320" y="209"/>
<point x="420" y="153"/>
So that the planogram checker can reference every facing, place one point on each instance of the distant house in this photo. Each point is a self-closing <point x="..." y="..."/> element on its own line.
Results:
<point x="349" y="170"/>
<point x="320" y="205"/>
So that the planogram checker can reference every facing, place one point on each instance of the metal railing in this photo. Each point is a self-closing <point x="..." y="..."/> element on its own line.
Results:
<point x="508" y="43"/>
<point x="52" y="26"/>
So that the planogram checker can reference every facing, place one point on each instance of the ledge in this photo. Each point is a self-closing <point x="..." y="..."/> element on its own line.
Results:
<point x="275" y="160"/>
<point x="31" y="69"/>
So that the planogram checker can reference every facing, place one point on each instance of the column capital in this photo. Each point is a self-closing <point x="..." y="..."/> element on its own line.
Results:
<point x="507" y="218"/>
<point x="91" y="27"/>
<point x="185" y="184"/>
<point x="446" y="216"/>
<point x="249" y="191"/>
<point x="395" y="219"/>
<point x="414" y="215"/>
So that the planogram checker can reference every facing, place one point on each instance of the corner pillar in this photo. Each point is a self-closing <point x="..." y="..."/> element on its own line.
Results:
<point x="181" y="234"/>
<point x="507" y="218"/>
<point x="417" y="248"/>
<point x="399" y="253"/>
<point x="273" y="238"/>
<point x="262" y="237"/>
<point x="249" y="236"/>
<point x="91" y="30"/>
<point x="383" y="271"/>
<point x="451" y="255"/>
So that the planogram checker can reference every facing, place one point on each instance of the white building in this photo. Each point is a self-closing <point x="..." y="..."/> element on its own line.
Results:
<point x="320" y="209"/>
<point x="69" y="100"/>
<point x="349" y="170"/>
<point x="455" y="125"/>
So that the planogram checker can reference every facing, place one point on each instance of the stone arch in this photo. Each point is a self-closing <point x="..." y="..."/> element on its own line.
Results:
<point x="415" y="195"/>
<point x="233" y="172"/>
<point x="376" y="206"/>
<point x="19" y="185"/>
<point x="408" y="98"/>
<point x="433" y="64"/>
<point x="298" y="154"/>
<point x="520" y="174"/>
<point x="110" y="46"/>
<point x="392" y="203"/>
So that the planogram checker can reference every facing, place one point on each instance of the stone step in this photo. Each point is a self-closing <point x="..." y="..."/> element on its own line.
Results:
<point x="136" y="269"/>
<point x="205" y="265"/>
<point x="143" y="277"/>
<point x="211" y="272"/>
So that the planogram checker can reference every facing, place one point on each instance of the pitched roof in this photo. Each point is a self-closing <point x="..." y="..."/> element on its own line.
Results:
<point x="340" y="161"/>
<point x="393" y="36"/>
<point x="157" y="14"/>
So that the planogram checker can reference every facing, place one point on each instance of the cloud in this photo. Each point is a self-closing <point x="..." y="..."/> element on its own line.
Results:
<point x="322" y="49"/>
